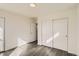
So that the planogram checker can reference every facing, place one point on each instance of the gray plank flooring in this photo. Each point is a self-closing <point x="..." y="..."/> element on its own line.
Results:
<point x="32" y="49"/>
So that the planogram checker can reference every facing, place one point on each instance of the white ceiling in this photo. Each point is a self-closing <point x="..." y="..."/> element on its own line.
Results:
<point x="41" y="9"/>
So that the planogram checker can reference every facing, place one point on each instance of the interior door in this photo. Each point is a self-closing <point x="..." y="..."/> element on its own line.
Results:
<point x="47" y="33"/>
<point x="60" y="34"/>
<point x="1" y="34"/>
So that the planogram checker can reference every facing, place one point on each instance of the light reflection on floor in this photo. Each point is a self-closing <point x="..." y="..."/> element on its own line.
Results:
<point x="32" y="49"/>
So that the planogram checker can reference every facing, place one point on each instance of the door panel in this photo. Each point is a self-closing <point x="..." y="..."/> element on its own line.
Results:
<point x="47" y="34"/>
<point x="1" y="34"/>
<point x="60" y="34"/>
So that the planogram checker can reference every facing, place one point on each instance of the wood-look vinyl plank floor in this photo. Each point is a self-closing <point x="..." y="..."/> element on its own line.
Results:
<point x="32" y="49"/>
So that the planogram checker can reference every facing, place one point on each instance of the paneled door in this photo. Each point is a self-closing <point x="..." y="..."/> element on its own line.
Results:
<point x="60" y="34"/>
<point x="47" y="33"/>
<point x="1" y="34"/>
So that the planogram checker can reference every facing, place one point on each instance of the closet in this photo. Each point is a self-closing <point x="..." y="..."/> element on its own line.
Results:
<point x="54" y="33"/>
<point x="60" y="34"/>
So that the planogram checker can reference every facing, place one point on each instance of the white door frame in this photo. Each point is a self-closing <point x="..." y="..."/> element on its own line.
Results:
<point x="65" y="18"/>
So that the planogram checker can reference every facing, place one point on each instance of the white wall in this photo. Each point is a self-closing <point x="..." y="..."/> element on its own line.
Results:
<point x="77" y="27"/>
<point x="71" y="15"/>
<point x="17" y="27"/>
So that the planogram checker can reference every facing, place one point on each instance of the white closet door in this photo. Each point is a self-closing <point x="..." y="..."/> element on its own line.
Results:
<point x="1" y="34"/>
<point x="47" y="34"/>
<point x="60" y="34"/>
